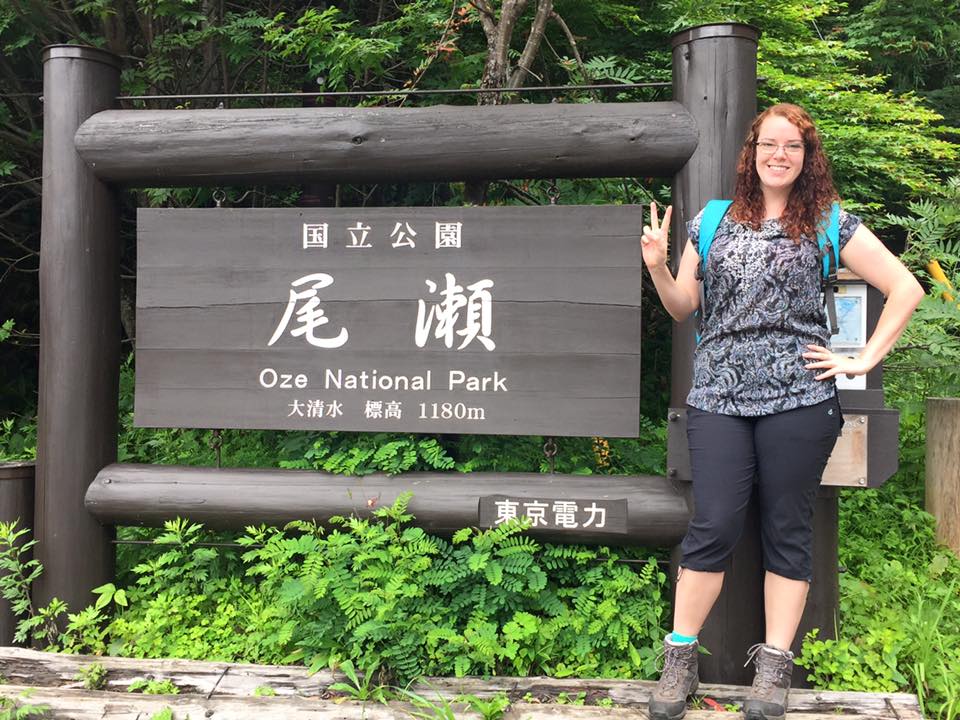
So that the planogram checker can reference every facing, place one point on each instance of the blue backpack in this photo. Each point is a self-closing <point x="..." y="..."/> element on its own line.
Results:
<point x="828" y="241"/>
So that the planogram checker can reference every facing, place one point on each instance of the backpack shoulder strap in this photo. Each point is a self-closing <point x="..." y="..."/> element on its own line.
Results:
<point x="831" y="253"/>
<point x="712" y="216"/>
<point x="829" y="243"/>
<point x="709" y="222"/>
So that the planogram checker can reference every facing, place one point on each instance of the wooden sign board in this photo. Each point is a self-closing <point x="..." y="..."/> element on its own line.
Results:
<point x="505" y="320"/>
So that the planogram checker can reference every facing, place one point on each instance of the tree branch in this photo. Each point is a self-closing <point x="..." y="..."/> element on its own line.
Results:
<point x="573" y="45"/>
<point x="532" y="47"/>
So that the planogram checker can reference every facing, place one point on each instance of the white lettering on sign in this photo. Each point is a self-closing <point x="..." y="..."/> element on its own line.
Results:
<point x="403" y="238"/>
<point x="444" y="316"/>
<point x="564" y="514"/>
<point x="536" y="511"/>
<point x="448" y="234"/>
<point x="598" y="516"/>
<point x="506" y="510"/>
<point x="310" y="315"/>
<point x="459" y="380"/>
<point x="314" y="235"/>
<point x="374" y="380"/>
<point x="270" y="378"/>
<point x="392" y="409"/>
<point x="358" y="236"/>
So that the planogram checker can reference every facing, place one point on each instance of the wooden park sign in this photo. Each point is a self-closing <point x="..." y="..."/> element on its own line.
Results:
<point x="506" y="320"/>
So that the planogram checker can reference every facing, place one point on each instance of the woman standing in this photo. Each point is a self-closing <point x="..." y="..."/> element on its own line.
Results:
<point x="763" y="406"/>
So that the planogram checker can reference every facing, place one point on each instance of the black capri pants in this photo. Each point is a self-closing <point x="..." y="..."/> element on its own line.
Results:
<point x="785" y="454"/>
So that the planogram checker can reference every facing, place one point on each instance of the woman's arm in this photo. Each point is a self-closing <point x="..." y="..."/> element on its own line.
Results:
<point x="867" y="257"/>
<point x="680" y="296"/>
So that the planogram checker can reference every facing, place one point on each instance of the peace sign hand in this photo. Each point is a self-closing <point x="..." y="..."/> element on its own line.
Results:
<point x="653" y="244"/>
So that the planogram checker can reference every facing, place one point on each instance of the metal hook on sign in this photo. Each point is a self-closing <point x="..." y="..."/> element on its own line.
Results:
<point x="553" y="192"/>
<point x="219" y="196"/>
<point x="550" y="451"/>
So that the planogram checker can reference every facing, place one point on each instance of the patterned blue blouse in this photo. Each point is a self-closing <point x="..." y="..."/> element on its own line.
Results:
<point x="763" y="307"/>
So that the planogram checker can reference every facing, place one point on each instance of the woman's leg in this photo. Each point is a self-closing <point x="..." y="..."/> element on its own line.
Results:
<point x="696" y="592"/>
<point x="723" y="465"/>
<point x="792" y="450"/>
<point x="783" y="603"/>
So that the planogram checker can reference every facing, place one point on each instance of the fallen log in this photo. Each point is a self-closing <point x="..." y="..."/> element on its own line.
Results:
<point x="99" y="705"/>
<point x="237" y="680"/>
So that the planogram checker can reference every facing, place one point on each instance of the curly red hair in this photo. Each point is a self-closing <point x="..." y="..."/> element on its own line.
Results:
<point x="812" y="193"/>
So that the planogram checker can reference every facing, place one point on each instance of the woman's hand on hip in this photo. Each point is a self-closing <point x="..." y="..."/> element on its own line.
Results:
<point x="832" y="363"/>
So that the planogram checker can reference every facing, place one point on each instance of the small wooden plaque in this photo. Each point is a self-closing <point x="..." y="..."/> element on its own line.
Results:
<point x="847" y="465"/>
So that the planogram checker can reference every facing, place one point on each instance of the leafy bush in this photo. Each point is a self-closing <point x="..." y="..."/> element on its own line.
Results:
<point x="899" y="605"/>
<point x="380" y="593"/>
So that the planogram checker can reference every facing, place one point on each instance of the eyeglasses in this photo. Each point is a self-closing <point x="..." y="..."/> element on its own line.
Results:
<point x="765" y="147"/>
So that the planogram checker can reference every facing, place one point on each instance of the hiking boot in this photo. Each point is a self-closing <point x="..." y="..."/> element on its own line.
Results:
<point x="677" y="680"/>
<point x="767" y="699"/>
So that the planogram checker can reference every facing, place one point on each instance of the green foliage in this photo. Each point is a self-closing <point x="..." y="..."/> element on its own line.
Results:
<point x="18" y="438"/>
<point x="164" y="714"/>
<point x="916" y="46"/>
<point x="886" y="146"/>
<point x="15" y="709"/>
<point x="900" y="606"/>
<point x="933" y="229"/>
<point x="264" y="691"/>
<point x="491" y="708"/>
<point x="403" y="600"/>
<point x="327" y="46"/>
<point x="361" y="687"/>
<point x="149" y="686"/>
<point x="926" y="362"/>
<point x="383" y="600"/>
<point x="93" y="676"/>
<point x="17" y="574"/>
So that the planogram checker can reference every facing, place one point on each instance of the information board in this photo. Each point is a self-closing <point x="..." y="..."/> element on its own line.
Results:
<point x="506" y="320"/>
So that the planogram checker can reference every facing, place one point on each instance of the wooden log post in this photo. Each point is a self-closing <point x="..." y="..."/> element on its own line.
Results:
<point x="16" y="503"/>
<point x="197" y="147"/>
<point x="943" y="469"/>
<point x="715" y="79"/>
<point x="655" y="511"/>
<point x="79" y="329"/>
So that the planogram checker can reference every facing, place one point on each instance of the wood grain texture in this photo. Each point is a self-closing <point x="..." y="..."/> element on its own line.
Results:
<point x="196" y="147"/>
<point x="943" y="469"/>
<point x="562" y="355"/>
<point x="16" y="503"/>
<point x="55" y="675"/>
<point x="442" y="503"/>
<point x="79" y="329"/>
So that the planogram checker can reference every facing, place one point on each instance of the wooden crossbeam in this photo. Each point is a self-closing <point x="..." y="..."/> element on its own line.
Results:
<point x="657" y="512"/>
<point x="196" y="147"/>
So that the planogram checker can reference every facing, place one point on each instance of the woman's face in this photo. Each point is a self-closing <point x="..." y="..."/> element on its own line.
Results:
<point x="779" y="153"/>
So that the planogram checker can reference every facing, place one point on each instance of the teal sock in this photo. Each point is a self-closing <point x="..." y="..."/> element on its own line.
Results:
<point x="679" y="639"/>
